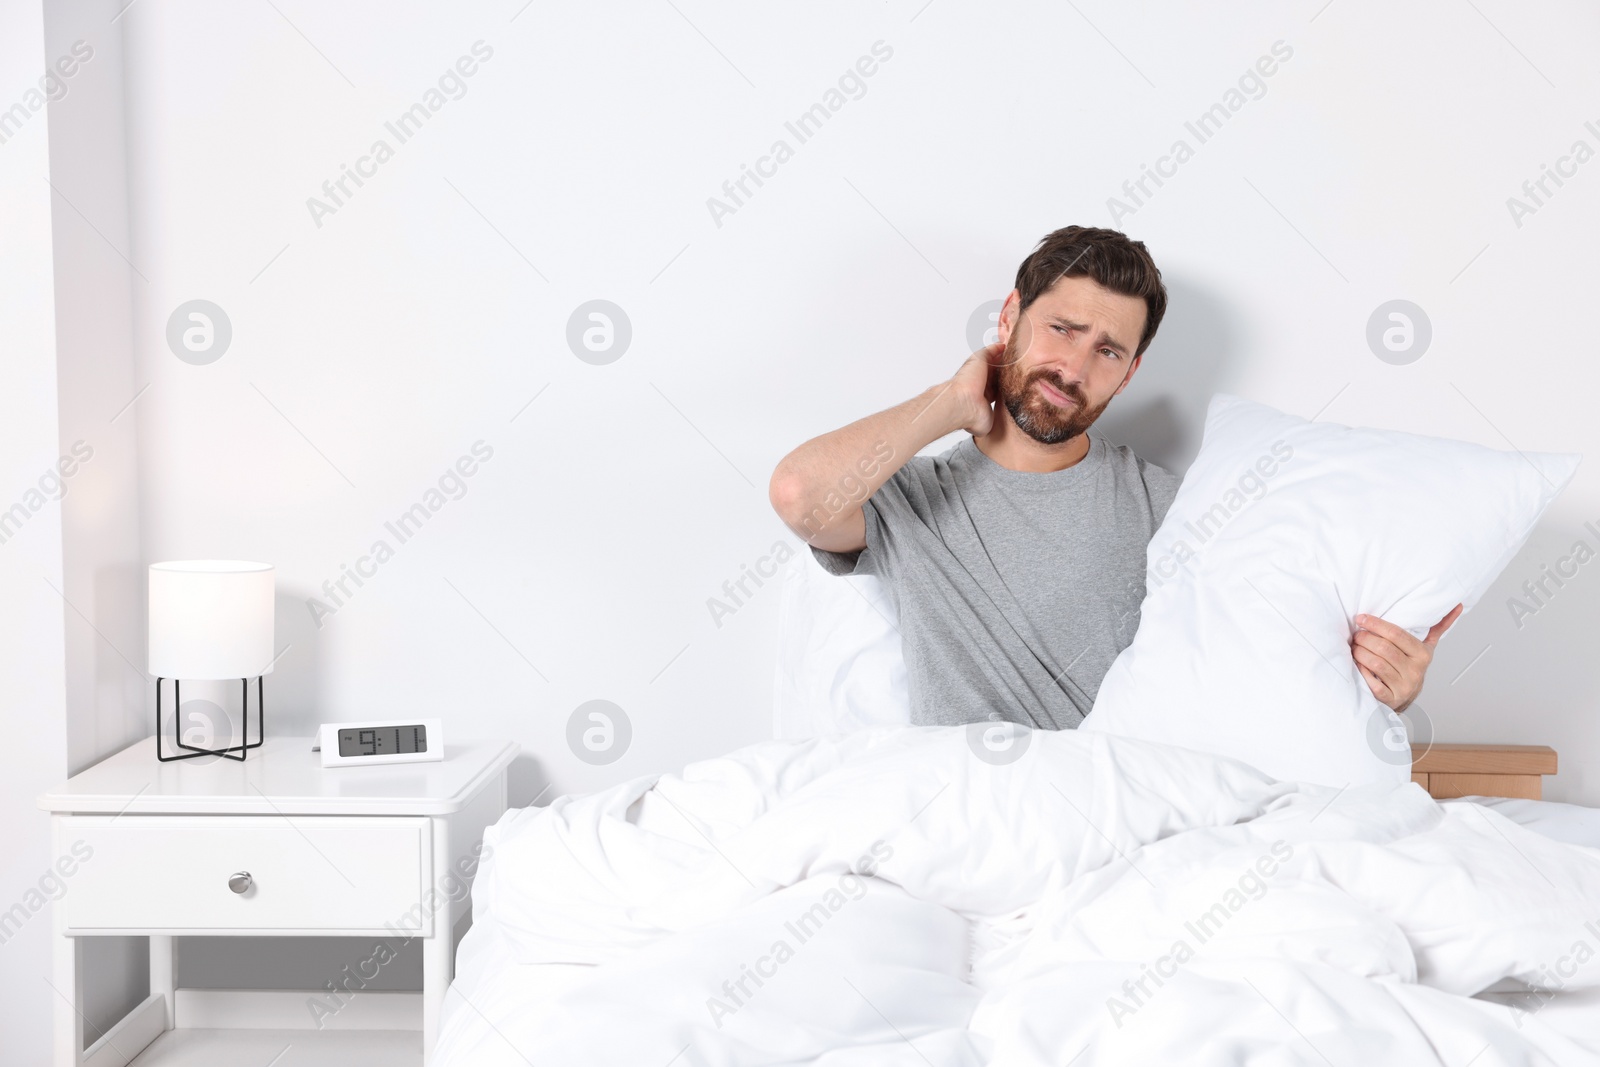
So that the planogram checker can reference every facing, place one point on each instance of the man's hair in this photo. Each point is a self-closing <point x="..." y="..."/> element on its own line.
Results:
<point x="1107" y="257"/>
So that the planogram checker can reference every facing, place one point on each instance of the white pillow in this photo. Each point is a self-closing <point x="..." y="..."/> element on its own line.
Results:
<point x="840" y="664"/>
<point x="1282" y="532"/>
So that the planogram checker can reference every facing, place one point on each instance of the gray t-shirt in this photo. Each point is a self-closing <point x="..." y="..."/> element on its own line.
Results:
<point x="1015" y="590"/>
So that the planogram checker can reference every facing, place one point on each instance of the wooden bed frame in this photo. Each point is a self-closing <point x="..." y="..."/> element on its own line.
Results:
<point x="1448" y="771"/>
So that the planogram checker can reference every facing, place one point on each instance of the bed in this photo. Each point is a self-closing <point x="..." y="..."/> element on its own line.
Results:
<point x="631" y="926"/>
<point x="1235" y="860"/>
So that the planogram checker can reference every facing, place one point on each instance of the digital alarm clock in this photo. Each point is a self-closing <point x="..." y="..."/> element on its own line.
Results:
<point x="354" y="744"/>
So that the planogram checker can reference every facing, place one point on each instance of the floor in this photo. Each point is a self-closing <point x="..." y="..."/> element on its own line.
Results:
<point x="283" y="1048"/>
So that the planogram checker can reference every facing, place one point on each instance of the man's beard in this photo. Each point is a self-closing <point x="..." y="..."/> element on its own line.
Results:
<point x="1038" y="417"/>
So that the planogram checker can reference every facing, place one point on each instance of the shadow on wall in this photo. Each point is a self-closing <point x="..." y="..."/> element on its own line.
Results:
<point x="526" y="782"/>
<point x="294" y="690"/>
<point x="121" y="715"/>
<point x="296" y="694"/>
<point x="1194" y="355"/>
<point x="1520" y="665"/>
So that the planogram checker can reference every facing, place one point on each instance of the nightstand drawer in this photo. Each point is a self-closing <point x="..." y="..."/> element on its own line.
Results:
<point x="307" y="874"/>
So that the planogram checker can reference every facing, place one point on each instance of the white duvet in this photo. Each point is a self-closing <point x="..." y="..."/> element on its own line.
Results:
<point x="907" y="896"/>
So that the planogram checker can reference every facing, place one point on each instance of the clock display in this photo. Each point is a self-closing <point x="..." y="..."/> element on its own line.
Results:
<point x="383" y="741"/>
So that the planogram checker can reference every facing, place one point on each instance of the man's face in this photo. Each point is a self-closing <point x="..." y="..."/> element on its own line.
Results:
<point x="1066" y="356"/>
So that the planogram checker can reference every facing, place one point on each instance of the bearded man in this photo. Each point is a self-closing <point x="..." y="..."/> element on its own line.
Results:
<point x="1016" y="559"/>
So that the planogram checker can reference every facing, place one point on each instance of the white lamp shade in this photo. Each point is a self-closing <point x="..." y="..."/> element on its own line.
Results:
<point x="211" y="618"/>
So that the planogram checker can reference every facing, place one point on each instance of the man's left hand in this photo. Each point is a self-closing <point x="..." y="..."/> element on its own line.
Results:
<point x="1391" y="660"/>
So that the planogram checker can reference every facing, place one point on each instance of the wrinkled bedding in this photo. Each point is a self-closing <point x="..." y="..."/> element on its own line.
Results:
<point x="913" y="896"/>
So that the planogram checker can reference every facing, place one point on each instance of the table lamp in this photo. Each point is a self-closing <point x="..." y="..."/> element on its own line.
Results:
<point x="211" y="619"/>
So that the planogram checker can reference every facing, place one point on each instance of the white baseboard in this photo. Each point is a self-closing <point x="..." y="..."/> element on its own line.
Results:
<point x="119" y="1045"/>
<point x="289" y="1009"/>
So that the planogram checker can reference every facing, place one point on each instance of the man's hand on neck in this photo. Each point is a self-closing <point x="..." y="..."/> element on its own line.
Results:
<point x="973" y="392"/>
<point x="818" y="488"/>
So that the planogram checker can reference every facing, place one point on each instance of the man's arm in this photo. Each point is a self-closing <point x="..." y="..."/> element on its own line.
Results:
<point x="1392" y="661"/>
<point x="818" y="488"/>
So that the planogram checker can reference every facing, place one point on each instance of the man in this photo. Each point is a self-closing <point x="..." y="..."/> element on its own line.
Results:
<point x="1017" y="558"/>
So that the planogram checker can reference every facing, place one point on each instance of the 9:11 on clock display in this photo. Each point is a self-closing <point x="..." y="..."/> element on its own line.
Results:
<point x="383" y="741"/>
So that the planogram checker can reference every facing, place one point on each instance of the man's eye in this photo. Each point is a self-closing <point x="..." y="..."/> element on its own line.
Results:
<point x="1057" y="328"/>
<point x="1112" y="352"/>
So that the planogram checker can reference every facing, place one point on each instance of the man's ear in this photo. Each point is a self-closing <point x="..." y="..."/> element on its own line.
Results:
<point x="1008" y="316"/>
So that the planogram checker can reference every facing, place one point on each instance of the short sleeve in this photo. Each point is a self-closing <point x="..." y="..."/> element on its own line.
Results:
<point x="862" y="561"/>
<point x="1162" y="486"/>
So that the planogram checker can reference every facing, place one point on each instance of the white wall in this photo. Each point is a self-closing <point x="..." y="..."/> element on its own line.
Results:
<point x="32" y="657"/>
<point x="427" y="310"/>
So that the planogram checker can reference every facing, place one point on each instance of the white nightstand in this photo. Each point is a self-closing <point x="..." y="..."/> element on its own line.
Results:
<point x="357" y="851"/>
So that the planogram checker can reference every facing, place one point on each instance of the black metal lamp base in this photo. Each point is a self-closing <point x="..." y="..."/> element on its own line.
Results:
<point x="193" y="752"/>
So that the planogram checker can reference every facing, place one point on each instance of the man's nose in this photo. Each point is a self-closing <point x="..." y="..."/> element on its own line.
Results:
<point x="1071" y="362"/>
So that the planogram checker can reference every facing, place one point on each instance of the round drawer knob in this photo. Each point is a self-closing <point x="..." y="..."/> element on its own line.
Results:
<point x="240" y="882"/>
